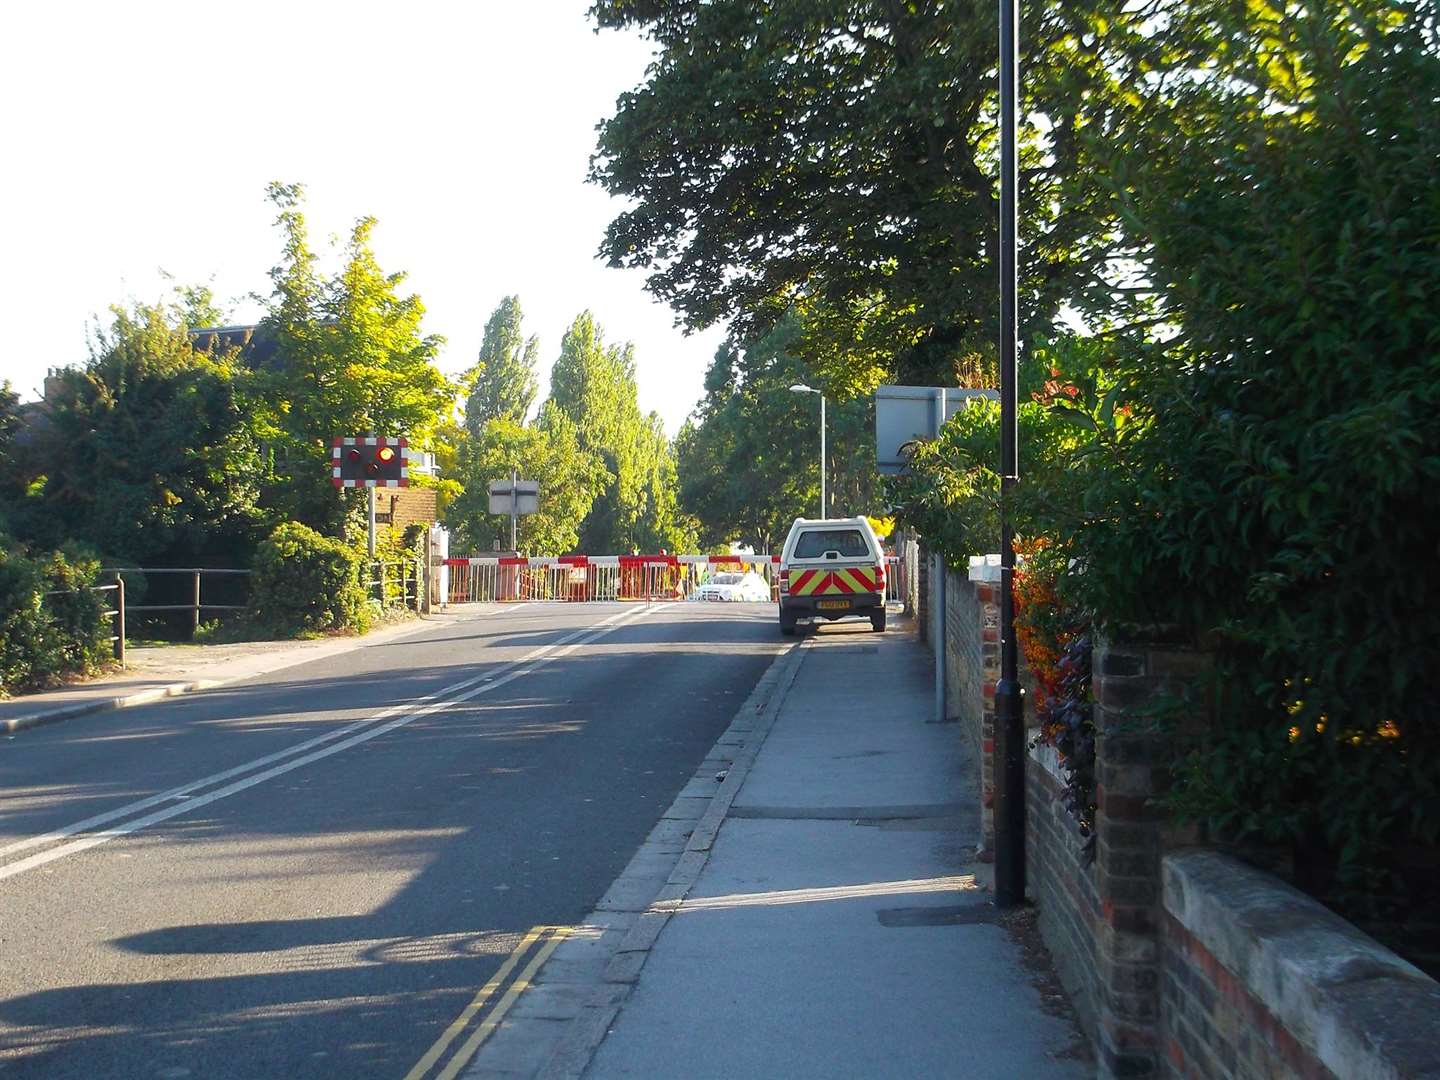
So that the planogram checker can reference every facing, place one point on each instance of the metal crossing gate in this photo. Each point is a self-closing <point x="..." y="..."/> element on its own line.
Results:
<point x="580" y="578"/>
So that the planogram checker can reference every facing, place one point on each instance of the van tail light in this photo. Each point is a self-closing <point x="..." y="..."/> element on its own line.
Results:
<point x="880" y="577"/>
<point x="784" y="580"/>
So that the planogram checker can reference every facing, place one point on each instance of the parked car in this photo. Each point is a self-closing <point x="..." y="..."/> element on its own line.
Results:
<point x="731" y="586"/>
<point x="831" y="569"/>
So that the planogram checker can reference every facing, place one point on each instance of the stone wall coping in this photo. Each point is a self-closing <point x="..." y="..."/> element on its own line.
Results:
<point x="985" y="568"/>
<point x="1360" y="1009"/>
<point x="1047" y="757"/>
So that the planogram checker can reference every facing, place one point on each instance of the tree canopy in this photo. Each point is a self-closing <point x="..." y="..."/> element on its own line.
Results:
<point x="502" y="384"/>
<point x="345" y="356"/>
<point x="838" y="158"/>
<point x="748" y="457"/>
<point x="144" y="451"/>
<point x="593" y="384"/>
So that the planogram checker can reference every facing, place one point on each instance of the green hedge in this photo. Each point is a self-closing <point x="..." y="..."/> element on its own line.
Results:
<point x="307" y="583"/>
<point x="52" y="624"/>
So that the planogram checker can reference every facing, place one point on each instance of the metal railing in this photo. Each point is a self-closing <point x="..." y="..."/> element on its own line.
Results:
<point x="395" y="584"/>
<point x="196" y="605"/>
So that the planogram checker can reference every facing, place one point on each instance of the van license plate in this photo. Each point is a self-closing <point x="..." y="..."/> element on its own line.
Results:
<point x="833" y="605"/>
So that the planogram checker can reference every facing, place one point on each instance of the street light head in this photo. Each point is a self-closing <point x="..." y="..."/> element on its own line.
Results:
<point x="801" y="388"/>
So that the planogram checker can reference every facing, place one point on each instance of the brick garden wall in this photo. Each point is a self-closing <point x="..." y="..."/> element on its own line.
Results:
<point x="1060" y="885"/>
<point x="1181" y="962"/>
<point x="1261" y="981"/>
<point x="972" y="666"/>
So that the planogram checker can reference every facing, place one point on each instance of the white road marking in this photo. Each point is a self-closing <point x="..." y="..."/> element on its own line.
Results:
<point x="372" y="728"/>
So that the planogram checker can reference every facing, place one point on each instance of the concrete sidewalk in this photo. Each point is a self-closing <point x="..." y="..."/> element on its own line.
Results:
<point x="824" y="918"/>
<point x="152" y="673"/>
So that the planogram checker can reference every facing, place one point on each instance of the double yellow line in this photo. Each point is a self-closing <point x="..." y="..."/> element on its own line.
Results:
<point x="540" y="942"/>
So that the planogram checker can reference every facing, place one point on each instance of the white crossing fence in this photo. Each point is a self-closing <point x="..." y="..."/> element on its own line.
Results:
<point x="582" y="578"/>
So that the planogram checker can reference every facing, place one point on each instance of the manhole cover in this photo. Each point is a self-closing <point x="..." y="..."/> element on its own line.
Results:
<point x="955" y="915"/>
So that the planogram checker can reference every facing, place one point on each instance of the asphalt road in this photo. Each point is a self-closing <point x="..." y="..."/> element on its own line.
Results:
<point x="310" y="874"/>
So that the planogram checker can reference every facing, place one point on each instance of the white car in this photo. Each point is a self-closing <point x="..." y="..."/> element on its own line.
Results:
<point x="749" y="587"/>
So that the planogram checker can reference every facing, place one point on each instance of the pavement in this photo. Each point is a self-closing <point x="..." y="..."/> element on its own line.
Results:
<point x="152" y="673"/>
<point x="809" y="906"/>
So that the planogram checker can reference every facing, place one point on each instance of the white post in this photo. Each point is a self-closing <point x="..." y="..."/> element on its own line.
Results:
<point x="514" y="507"/>
<point x="370" y="523"/>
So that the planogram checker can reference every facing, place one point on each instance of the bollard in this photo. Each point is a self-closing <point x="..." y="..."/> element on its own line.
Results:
<point x="120" y="618"/>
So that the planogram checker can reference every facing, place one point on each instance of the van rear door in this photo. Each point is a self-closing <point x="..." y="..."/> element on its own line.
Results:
<point x="835" y="560"/>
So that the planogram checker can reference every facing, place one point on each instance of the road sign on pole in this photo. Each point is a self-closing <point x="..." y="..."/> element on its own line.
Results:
<point x="514" y="497"/>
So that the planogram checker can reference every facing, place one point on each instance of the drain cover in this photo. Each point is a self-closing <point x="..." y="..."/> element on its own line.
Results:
<point x="955" y="915"/>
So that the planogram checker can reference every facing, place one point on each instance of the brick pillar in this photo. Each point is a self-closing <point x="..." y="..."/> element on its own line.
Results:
<point x="1132" y="681"/>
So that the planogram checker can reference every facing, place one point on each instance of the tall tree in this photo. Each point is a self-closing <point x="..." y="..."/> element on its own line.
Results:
<point x="839" y="156"/>
<point x="503" y="383"/>
<point x="594" y="385"/>
<point x="345" y="356"/>
<point x="748" y="456"/>
<point x="548" y="452"/>
<point x="147" y="450"/>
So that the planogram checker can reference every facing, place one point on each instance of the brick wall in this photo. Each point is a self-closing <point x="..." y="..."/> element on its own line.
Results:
<point x="1060" y="885"/>
<point x="1262" y="981"/>
<point x="1183" y="962"/>
<point x="972" y="665"/>
<point x="1132" y="766"/>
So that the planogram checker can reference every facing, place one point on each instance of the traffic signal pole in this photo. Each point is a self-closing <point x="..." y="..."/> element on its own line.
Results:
<point x="1009" y="717"/>
<point x="370" y="521"/>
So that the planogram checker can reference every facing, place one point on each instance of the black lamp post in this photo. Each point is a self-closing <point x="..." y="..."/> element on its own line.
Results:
<point x="1009" y="714"/>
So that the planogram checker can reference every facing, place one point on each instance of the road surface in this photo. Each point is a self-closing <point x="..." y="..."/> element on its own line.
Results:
<point x="311" y="874"/>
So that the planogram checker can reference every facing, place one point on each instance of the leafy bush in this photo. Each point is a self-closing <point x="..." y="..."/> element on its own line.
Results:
<point x="1280" y="494"/>
<point x="306" y="583"/>
<point x="1273" y="488"/>
<point x="51" y="623"/>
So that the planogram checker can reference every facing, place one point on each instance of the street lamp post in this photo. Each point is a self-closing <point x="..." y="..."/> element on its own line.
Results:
<point x="1009" y="703"/>
<point x="801" y="388"/>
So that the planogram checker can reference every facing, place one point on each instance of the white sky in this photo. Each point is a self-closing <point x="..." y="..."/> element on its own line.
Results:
<point x="139" y="136"/>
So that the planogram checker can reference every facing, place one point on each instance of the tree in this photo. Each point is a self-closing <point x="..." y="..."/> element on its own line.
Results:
<point x="549" y="452"/>
<point x="838" y="157"/>
<point x="345" y="357"/>
<point x="147" y="450"/>
<point x="502" y="383"/>
<point x="593" y="384"/>
<point x="747" y="456"/>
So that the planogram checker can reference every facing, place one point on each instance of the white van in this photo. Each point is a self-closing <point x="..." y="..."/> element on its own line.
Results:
<point x="831" y="569"/>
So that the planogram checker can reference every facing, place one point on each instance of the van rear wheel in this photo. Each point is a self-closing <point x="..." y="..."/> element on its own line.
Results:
<point x="877" y="622"/>
<point x="787" y="624"/>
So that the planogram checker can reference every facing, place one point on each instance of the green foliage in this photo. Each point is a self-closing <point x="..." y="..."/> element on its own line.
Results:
<point x="1280" y="494"/>
<point x="145" y="450"/>
<point x="952" y="493"/>
<point x="548" y="452"/>
<point x="51" y="623"/>
<point x="306" y="583"/>
<point x="12" y="484"/>
<point x="593" y="384"/>
<point x="841" y="156"/>
<point x="345" y="356"/>
<point x="748" y="456"/>
<point x="1261" y="472"/>
<point x="502" y="382"/>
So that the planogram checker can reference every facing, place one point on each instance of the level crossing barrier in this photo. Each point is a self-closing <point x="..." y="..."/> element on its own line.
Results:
<point x="580" y="578"/>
